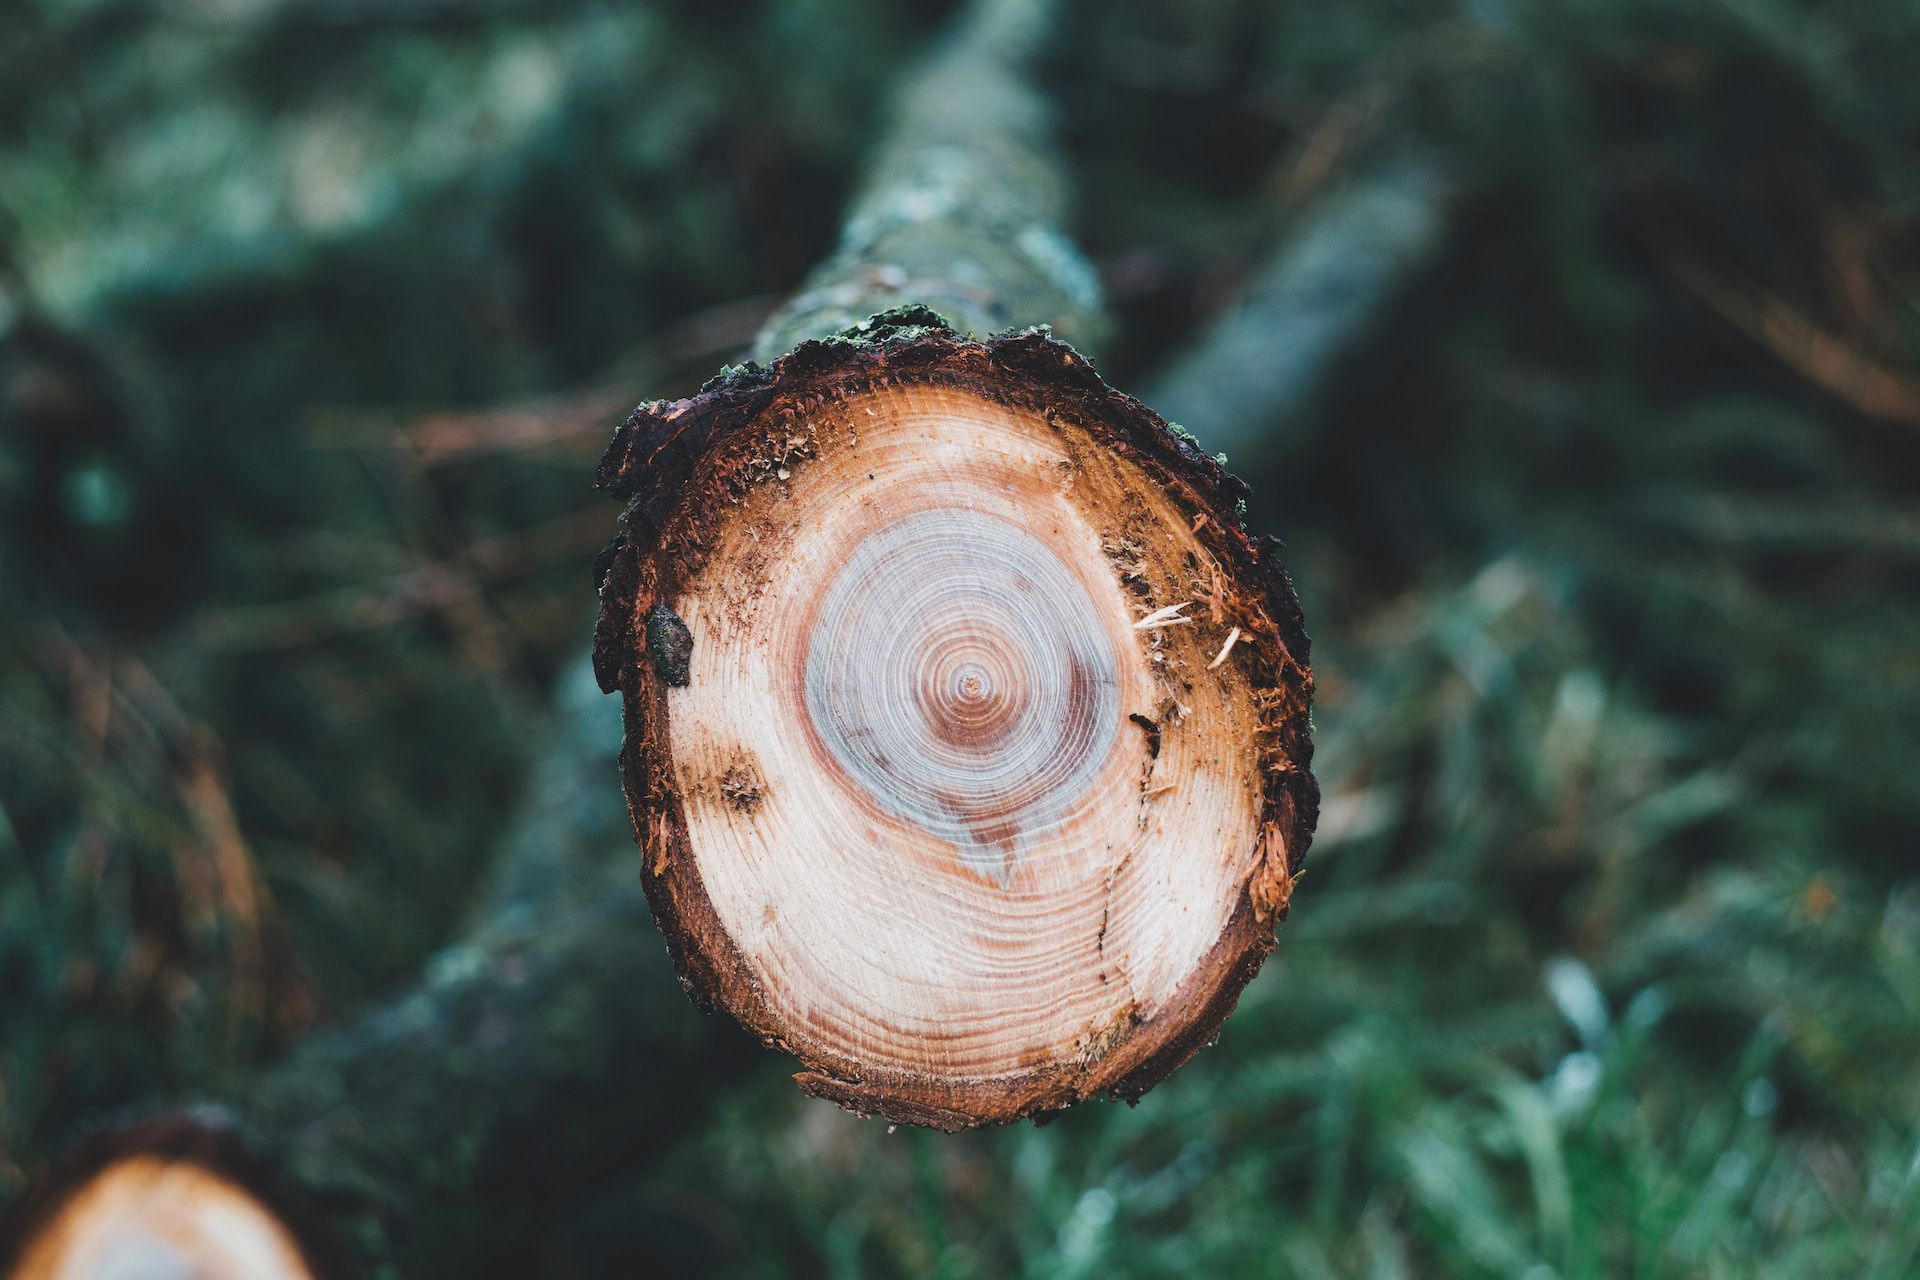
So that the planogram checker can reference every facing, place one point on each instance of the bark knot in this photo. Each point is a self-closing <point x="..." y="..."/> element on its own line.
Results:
<point x="671" y="645"/>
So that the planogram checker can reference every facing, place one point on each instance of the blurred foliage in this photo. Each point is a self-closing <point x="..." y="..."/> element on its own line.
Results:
<point x="1607" y="960"/>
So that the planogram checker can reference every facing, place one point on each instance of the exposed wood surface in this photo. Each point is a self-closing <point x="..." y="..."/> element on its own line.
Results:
<point x="166" y="1199"/>
<point x="146" y="1219"/>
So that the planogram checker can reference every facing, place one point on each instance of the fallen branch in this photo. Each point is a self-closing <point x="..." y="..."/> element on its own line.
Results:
<point x="1245" y="384"/>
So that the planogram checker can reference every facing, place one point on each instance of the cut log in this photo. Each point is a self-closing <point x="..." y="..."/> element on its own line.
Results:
<point x="144" y="1219"/>
<point x="967" y="729"/>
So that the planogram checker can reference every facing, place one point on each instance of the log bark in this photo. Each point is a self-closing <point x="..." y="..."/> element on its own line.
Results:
<point x="967" y="728"/>
<point x="440" y="1134"/>
<point x="964" y="207"/>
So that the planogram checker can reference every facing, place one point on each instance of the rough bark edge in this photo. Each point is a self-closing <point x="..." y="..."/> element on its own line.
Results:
<point x="673" y="459"/>
<point x="208" y="1137"/>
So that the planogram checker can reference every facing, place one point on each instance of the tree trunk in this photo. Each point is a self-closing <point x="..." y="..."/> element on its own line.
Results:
<point x="967" y="734"/>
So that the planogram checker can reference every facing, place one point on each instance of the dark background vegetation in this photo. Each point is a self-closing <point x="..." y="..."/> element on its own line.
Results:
<point x="1607" y="961"/>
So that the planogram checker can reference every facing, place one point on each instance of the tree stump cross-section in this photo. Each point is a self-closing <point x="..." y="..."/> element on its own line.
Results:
<point x="967" y="742"/>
